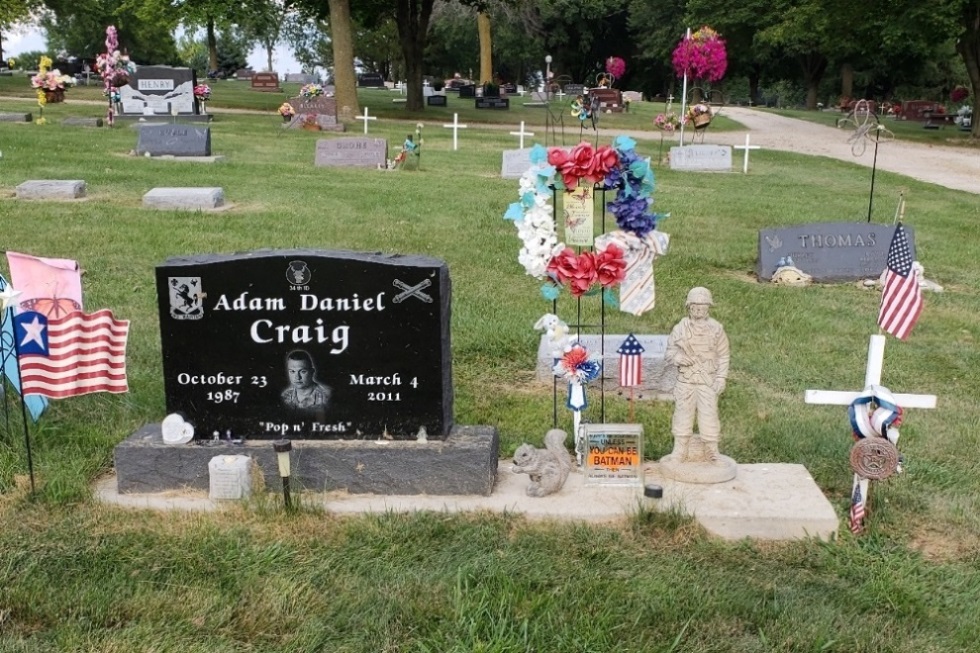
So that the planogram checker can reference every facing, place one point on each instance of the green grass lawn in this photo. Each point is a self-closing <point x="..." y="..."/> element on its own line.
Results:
<point x="79" y="576"/>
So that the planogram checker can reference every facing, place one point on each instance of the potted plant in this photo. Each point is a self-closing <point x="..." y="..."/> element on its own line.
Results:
<point x="438" y="85"/>
<point x="202" y="93"/>
<point x="287" y="111"/>
<point x="50" y="84"/>
<point x="491" y="90"/>
<point x="310" y="123"/>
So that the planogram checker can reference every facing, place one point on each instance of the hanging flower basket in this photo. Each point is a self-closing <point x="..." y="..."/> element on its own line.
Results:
<point x="55" y="96"/>
<point x="702" y="120"/>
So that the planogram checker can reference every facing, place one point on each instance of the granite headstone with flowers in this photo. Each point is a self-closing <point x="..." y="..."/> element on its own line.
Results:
<point x="312" y="108"/>
<point x="162" y="91"/>
<point x="621" y="258"/>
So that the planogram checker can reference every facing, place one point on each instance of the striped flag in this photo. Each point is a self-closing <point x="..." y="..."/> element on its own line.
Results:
<point x="901" y="299"/>
<point x="72" y="355"/>
<point x="630" y="362"/>
<point x="858" y="500"/>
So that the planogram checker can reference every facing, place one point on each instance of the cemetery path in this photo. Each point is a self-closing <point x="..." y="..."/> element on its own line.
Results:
<point x="952" y="167"/>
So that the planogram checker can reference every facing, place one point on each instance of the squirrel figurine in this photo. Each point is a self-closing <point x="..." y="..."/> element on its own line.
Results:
<point x="548" y="467"/>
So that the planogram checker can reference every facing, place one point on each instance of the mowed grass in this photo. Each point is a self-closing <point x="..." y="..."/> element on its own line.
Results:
<point x="78" y="576"/>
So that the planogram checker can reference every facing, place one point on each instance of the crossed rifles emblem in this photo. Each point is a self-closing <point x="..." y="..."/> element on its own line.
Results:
<point x="412" y="291"/>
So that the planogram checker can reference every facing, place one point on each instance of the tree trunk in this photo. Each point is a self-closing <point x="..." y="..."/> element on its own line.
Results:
<point x="412" y="17"/>
<point x="814" y="66"/>
<point x="212" y="46"/>
<point x="341" y="36"/>
<point x="847" y="80"/>
<point x="969" y="48"/>
<point x="268" y="57"/>
<point x="754" y="87"/>
<point x="486" y="51"/>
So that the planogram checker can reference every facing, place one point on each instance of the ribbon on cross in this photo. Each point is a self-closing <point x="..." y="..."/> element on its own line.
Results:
<point x="637" y="293"/>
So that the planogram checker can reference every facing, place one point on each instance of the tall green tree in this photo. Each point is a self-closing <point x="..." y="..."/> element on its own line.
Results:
<point x="968" y="45"/>
<point x="146" y="32"/>
<point x="264" y="24"/>
<point x="11" y="13"/>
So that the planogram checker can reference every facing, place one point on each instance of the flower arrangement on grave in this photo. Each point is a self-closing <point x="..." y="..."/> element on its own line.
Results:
<point x="311" y="90"/>
<point x="287" y="111"/>
<point x="616" y="67"/>
<point x="309" y="122"/>
<point x="635" y="243"/>
<point x="667" y="122"/>
<point x="115" y="69"/>
<point x="202" y="92"/>
<point x="701" y="56"/>
<point x="699" y="114"/>
<point x="50" y="83"/>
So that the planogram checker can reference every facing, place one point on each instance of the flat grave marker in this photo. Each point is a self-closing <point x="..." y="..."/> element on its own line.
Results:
<point x="352" y="152"/>
<point x="184" y="199"/>
<point x="51" y="189"/>
<point x="829" y="251"/>
<point x="703" y="158"/>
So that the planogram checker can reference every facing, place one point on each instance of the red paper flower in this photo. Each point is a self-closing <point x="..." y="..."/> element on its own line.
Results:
<point x="579" y="273"/>
<point x="606" y="159"/>
<point x="610" y="266"/>
<point x="562" y="265"/>
<point x="574" y="357"/>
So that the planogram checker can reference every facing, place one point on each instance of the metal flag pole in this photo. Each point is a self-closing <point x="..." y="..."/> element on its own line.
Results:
<point x="874" y="168"/>
<point x="23" y="411"/>
<point x="687" y="37"/>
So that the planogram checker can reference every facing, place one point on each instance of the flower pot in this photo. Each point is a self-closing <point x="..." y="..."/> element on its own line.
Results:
<point x="55" y="96"/>
<point x="702" y="120"/>
<point x="311" y="126"/>
<point x="286" y="119"/>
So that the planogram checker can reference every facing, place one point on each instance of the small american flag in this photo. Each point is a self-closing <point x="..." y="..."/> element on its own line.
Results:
<point x="630" y="362"/>
<point x="857" y="507"/>
<point x="72" y="355"/>
<point x="901" y="299"/>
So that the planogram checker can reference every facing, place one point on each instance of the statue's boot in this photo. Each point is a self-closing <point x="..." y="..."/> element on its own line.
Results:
<point x="711" y="450"/>
<point x="679" y="454"/>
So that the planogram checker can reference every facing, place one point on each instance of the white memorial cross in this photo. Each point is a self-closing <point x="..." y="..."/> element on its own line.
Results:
<point x="522" y="134"/>
<point x="455" y="127"/>
<point x="746" y="147"/>
<point x="560" y="94"/>
<point x="872" y="376"/>
<point x="670" y="101"/>
<point x="365" y="118"/>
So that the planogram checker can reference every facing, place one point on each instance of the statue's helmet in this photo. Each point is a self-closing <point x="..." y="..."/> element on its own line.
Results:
<point x="699" y="295"/>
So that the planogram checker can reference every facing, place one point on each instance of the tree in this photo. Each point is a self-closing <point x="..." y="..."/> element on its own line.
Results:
<point x="342" y="45"/>
<point x="145" y="31"/>
<point x="12" y="12"/>
<point x="264" y="24"/>
<point x="968" y="45"/>
<point x="412" y="17"/>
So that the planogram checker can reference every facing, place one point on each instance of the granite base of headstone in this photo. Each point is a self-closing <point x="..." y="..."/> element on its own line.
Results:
<point x="658" y="378"/>
<point x="51" y="189"/>
<point x="436" y="101"/>
<point x="185" y="199"/>
<point x="492" y="103"/>
<point x="82" y="122"/>
<point x="701" y="158"/>
<point x="829" y="251"/>
<point x="16" y="117"/>
<point x="465" y="462"/>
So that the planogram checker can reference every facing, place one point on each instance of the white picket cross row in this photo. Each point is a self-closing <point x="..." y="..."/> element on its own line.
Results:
<point x="522" y="134"/>
<point x="746" y="147"/>
<point x="872" y="376"/>
<point x="365" y="118"/>
<point x="455" y="127"/>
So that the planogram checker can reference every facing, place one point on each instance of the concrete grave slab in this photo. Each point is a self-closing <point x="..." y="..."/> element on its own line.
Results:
<point x="701" y="158"/>
<point x="51" y="189"/>
<point x="82" y="122"/>
<point x="185" y="199"/>
<point x="776" y="501"/>
<point x="16" y="117"/>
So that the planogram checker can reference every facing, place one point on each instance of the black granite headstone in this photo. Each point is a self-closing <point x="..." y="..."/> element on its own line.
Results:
<point x="436" y="100"/>
<point x="829" y="251"/>
<point x="159" y="90"/>
<point x="174" y="140"/>
<point x="574" y="89"/>
<point x="373" y="80"/>
<point x="467" y="90"/>
<point x="307" y="344"/>
<point x="492" y="103"/>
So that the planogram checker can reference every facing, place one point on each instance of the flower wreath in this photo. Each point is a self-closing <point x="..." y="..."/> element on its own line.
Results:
<point x="543" y="256"/>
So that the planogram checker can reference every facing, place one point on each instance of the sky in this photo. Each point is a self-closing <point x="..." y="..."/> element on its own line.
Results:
<point x="27" y="39"/>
